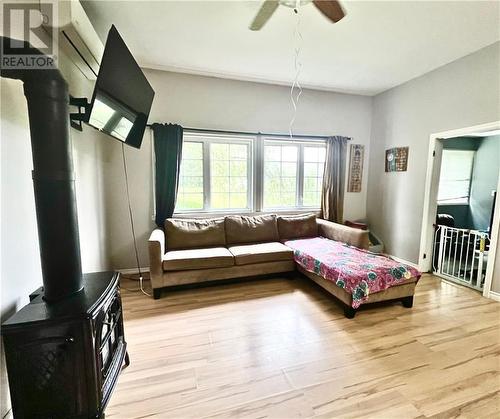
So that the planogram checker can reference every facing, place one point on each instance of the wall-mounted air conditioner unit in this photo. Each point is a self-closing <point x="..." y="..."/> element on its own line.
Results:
<point x="76" y="36"/>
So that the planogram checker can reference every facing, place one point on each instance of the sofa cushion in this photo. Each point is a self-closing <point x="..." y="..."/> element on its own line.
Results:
<point x="261" y="252"/>
<point x="212" y="257"/>
<point x="191" y="233"/>
<point x="255" y="229"/>
<point x="296" y="226"/>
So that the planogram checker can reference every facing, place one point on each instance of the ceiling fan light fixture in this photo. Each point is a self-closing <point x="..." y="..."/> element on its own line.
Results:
<point x="329" y="8"/>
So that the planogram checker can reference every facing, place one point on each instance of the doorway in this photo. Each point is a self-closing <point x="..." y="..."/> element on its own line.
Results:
<point x="460" y="224"/>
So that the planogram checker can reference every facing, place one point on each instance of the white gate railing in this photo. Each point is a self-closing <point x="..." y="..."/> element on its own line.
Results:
<point x="460" y="255"/>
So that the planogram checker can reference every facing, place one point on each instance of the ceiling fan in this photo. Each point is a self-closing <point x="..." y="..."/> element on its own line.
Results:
<point x="330" y="8"/>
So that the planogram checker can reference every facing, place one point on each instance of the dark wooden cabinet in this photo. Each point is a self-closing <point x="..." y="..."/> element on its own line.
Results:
<point x="63" y="359"/>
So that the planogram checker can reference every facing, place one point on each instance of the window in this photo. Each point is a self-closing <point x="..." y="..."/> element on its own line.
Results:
<point x="293" y="174"/>
<point x="455" y="179"/>
<point x="242" y="173"/>
<point x="215" y="174"/>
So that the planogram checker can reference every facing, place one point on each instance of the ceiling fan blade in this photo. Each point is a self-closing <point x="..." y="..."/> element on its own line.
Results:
<point x="263" y="15"/>
<point x="331" y="9"/>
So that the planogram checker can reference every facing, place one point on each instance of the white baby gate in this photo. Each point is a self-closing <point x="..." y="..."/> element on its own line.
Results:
<point x="460" y="255"/>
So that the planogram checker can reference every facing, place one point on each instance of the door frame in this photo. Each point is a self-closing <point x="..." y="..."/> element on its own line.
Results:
<point x="430" y="200"/>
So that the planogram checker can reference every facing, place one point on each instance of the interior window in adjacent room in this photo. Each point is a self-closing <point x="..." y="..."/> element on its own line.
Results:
<point x="455" y="177"/>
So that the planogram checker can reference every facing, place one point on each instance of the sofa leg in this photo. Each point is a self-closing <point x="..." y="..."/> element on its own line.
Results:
<point x="407" y="301"/>
<point x="156" y="293"/>
<point x="349" y="312"/>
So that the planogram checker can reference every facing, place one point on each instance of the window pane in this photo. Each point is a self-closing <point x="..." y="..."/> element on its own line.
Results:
<point x="239" y="152"/>
<point x="321" y="168"/>
<point x="238" y="168"/>
<point x="288" y="184"/>
<point x="220" y="184"/>
<point x="190" y="194"/>
<point x="229" y="176"/>
<point x="288" y="169"/>
<point x="220" y="168"/>
<point x="192" y="151"/>
<point x="272" y="153"/>
<point x="191" y="184"/>
<point x="289" y="153"/>
<point x="272" y="169"/>
<point x="310" y="184"/>
<point x="456" y="164"/>
<point x="220" y="200"/>
<point x="312" y="199"/>
<point x="455" y="177"/>
<point x="238" y="184"/>
<point x="238" y="200"/>
<point x="310" y="169"/>
<point x="321" y="154"/>
<point x="314" y="161"/>
<point x="311" y="154"/>
<point x="192" y="168"/>
<point x="273" y="185"/>
<point x="219" y="151"/>
<point x="272" y="199"/>
<point x="189" y="201"/>
<point x="280" y="175"/>
<point x="288" y="199"/>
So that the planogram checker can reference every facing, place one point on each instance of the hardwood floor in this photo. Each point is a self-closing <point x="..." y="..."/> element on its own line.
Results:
<point x="282" y="348"/>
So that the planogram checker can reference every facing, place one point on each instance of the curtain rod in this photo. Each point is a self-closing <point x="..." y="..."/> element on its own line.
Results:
<point x="265" y="134"/>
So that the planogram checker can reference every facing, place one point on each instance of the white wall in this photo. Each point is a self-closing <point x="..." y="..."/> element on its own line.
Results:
<point x="20" y="258"/>
<point x="461" y="94"/>
<point x="205" y="102"/>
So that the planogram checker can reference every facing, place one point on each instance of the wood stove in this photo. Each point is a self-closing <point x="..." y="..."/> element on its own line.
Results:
<point x="64" y="359"/>
<point x="64" y="350"/>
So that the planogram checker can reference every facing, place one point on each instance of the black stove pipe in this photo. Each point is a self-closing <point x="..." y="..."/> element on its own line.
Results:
<point x="47" y="95"/>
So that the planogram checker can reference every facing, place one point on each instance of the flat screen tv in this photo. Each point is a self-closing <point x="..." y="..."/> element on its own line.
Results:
<point x="122" y="95"/>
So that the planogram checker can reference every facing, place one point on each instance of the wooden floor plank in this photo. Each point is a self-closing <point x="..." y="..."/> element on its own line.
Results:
<point x="281" y="348"/>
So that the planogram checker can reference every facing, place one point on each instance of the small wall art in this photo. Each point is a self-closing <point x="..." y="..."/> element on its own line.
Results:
<point x="356" y="168"/>
<point x="396" y="159"/>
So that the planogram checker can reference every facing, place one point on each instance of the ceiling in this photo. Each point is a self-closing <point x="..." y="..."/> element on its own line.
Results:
<point x="378" y="45"/>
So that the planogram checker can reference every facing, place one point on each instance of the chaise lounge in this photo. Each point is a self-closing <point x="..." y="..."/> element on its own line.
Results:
<point x="334" y="256"/>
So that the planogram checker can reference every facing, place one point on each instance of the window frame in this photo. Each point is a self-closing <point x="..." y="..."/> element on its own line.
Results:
<point x="206" y="140"/>
<point x="255" y="171"/>
<point x="467" y="201"/>
<point x="299" y="197"/>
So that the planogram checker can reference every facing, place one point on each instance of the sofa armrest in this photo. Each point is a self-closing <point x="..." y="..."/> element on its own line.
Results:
<point x="342" y="233"/>
<point x="156" y="245"/>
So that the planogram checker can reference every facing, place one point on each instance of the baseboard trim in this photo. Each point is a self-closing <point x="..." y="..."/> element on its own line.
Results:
<point x="494" y="295"/>
<point x="132" y="271"/>
<point x="413" y="265"/>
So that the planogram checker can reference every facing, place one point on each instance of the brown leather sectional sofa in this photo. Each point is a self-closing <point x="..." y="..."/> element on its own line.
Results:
<point x="199" y="250"/>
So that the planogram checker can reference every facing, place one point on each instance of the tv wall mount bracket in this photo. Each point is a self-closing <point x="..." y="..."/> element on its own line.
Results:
<point x="77" y="118"/>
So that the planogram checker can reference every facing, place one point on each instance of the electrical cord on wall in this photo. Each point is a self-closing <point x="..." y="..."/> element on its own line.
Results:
<point x="132" y="225"/>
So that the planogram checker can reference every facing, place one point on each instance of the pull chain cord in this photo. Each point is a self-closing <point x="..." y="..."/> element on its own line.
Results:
<point x="297" y="38"/>
<point x="132" y="223"/>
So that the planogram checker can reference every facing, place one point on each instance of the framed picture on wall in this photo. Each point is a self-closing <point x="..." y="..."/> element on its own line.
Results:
<point x="355" y="168"/>
<point x="396" y="159"/>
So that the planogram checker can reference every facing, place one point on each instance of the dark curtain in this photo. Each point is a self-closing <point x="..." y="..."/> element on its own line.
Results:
<point x="168" y="155"/>
<point x="332" y="194"/>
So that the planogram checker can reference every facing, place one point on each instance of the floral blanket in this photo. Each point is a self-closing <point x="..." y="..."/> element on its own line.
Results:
<point x="357" y="271"/>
